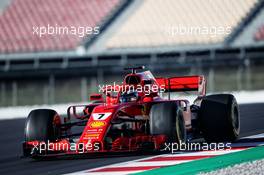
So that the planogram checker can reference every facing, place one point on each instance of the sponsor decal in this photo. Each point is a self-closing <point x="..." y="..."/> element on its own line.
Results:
<point x="91" y="136"/>
<point x="92" y="130"/>
<point x="97" y="124"/>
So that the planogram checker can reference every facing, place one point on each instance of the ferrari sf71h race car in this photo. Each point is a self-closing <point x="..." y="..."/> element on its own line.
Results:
<point x="132" y="117"/>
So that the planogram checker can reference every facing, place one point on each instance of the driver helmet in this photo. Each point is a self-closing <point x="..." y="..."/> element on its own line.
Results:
<point x="129" y="96"/>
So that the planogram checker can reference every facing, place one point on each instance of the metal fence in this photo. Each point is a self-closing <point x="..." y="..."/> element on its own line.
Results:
<point x="55" y="90"/>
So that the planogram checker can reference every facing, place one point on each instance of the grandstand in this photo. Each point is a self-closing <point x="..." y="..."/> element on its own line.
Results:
<point x="19" y="18"/>
<point x="148" y="25"/>
<point x="132" y="32"/>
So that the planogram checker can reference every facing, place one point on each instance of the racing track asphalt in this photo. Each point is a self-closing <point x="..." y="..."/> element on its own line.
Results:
<point x="11" y="136"/>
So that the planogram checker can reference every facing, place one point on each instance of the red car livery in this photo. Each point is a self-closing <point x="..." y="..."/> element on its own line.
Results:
<point x="137" y="115"/>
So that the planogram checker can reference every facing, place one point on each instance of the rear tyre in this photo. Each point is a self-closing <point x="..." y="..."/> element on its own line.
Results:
<point x="42" y="125"/>
<point x="166" y="118"/>
<point x="219" y="118"/>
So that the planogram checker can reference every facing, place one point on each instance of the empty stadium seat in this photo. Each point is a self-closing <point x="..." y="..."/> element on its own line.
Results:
<point x="19" y="18"/>
<point x="158" y="22"/>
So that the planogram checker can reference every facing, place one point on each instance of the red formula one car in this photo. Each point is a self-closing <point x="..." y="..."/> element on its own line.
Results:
<point x="133" y="116"/>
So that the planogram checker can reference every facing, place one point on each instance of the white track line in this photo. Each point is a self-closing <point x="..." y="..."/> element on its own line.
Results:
<point x="105" y="173"/>
<point x="150" y="163"/>
<point x="255" y="136"/>
<point x="107" y="166"/>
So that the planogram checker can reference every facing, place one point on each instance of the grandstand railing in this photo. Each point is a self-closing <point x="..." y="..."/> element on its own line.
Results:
<point x="61" y="63"/>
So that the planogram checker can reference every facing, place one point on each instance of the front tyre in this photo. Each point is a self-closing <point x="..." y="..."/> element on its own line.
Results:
<point x="41" y="125"/>
<point x="166" y="118"/>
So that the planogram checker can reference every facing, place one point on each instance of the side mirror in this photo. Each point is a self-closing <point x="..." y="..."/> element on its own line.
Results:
<point x="96" y="97"/>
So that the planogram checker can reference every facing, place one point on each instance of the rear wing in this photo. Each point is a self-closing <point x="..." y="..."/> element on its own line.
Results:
<point x="186" y="83"/>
